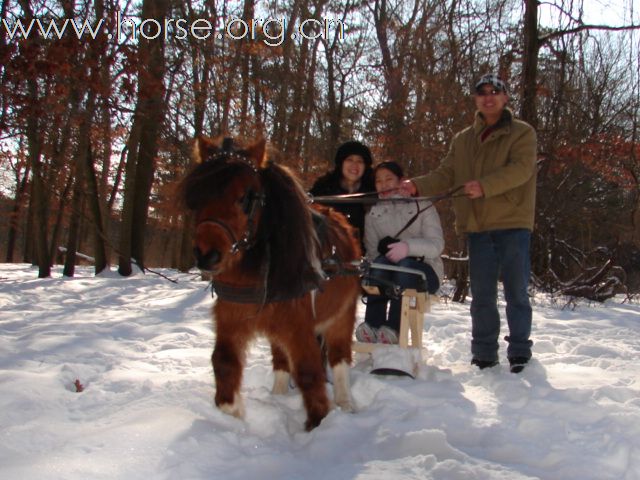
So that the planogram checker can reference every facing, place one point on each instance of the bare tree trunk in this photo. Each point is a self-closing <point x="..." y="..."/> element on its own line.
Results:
<point x="4" y="102"/>
<point x="258" y="108"/>
<point x="39" y="199"/>
<point x="101" y="261"/>
<point x="106" y="88"/>
<point x="29" y="249"/>
<point x="77" y="207"/>
<point x="247" y="13"/>
<point x="57" y="229"/>
<point x="307" y="108"/>
<point x="85" y="180"/>
<point x="34" y="146"/>
<point x="395" y="54"/>
<point x="334" y="106"/>
<point x="126" y="217"/>
<point x="16" y="211"/>
<point x="282" y="102"/>
<point x="528" y="110"/>
<point x="98" y="75"/>
<point x="296" y="115"/>
<point x="14" y="220"/>
<point x="147" y="125"/>
<point x="335" y="88"/>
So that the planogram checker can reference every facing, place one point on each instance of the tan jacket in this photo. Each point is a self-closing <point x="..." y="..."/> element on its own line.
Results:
<point x="504" y="164"/>
<point x="424" y="235"/>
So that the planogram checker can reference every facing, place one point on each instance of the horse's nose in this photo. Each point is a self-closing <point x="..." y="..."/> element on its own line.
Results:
<point x="205" y="261"/>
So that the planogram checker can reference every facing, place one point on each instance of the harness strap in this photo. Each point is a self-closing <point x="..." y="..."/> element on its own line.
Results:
<point x="224" y="226"/>
<point x="236" y="294"/>
<point x="255" y="295"/>
<point x="259" y="294"/>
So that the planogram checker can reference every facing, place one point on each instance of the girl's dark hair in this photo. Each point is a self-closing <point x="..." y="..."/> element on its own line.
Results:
<point x="390" y="165"/>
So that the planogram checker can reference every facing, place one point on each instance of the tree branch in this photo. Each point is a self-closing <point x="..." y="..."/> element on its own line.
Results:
<point x="544" y="39"/>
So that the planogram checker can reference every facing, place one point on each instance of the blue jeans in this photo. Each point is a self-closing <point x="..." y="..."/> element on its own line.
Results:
<point x="376" y="311"/>
<point x="493" y="254"/>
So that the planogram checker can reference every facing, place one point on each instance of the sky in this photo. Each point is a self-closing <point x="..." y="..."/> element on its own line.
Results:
<point x="598" y="12"/>
<point x="140" y="348"/>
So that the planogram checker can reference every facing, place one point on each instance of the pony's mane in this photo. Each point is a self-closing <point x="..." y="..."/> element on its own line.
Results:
<point x="287" y="227"/>
<point x="286" y="237"/>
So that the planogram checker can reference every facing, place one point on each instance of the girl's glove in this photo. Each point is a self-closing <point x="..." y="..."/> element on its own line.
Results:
<point x="397" y="251"/>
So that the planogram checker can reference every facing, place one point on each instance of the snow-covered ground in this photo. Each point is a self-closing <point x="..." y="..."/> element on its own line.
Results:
<point x="140" y="348"/>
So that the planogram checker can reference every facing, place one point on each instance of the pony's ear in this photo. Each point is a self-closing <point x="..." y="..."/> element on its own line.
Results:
<point x="203" y="147"/>
<point x="257" y="152"/>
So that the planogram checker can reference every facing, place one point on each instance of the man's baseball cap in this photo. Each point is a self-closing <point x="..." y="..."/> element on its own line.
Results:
<point x="491" y="79"/>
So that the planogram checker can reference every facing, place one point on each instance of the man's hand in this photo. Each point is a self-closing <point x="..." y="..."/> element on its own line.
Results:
<point x="473" y="189"/>
<point x="408" y="187"/>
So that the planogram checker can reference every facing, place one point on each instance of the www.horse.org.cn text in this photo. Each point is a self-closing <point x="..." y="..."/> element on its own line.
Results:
<point x="271" y="31"/>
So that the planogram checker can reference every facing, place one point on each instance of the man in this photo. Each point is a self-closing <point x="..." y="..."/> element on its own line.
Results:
<point x="495" y="162"/>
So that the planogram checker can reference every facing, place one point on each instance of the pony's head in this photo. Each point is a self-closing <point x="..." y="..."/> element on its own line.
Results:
<point x="252" y="216"/>
<point x="225" y="192"/>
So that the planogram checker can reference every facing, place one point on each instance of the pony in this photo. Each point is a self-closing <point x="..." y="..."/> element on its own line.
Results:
<point x="276" y="263"/>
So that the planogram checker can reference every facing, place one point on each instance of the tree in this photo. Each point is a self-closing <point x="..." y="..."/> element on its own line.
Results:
<point x="30" y="50"/>
<point x="143" y="141"/>
<point x="534" y="41"/>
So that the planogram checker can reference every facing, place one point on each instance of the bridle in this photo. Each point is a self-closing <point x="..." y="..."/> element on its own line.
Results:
<point x="252" y="202"/>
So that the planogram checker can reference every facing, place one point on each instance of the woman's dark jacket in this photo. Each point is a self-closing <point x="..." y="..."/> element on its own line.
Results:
<point x="329" y="184"/>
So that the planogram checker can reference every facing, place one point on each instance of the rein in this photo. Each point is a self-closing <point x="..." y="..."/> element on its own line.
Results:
<point x="370" y="198"/>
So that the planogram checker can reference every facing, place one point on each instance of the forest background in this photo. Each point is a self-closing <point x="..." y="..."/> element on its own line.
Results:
<point x="96" y="125"/>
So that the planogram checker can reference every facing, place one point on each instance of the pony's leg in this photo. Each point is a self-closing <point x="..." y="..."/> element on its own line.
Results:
<point x="228" y="362"/>
<point x="338" y="338"/>
<point x="280" y="370"/>
<point x="309" y="375"/>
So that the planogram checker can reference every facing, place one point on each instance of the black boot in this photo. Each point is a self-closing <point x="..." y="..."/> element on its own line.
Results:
<point x="517" y="364"/>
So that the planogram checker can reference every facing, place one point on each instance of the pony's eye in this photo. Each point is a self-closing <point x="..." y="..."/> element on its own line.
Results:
<point x="244" y="202"/>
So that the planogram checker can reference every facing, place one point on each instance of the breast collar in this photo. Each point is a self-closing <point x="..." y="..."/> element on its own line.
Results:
<point x="259" y="294"/>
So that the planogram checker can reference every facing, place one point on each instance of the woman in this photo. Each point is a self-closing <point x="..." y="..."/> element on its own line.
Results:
<point x="352" y="173"/>
<point x="402" y="233"/>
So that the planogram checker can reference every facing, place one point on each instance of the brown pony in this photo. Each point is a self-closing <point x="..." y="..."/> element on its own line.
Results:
<point x="268" y="253"/>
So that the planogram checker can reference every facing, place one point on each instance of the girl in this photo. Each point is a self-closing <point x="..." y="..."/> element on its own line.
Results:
<point x="407" y="234"/>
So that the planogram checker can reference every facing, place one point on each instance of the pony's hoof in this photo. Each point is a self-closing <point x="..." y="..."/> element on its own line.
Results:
<point x="345" y="407"/>
<point x="280" y="382"/>
<point x="312" y="423"/>
<point x="235" y="409"/>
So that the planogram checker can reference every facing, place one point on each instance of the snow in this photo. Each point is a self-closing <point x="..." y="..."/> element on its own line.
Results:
<point x="141" y="346"/>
